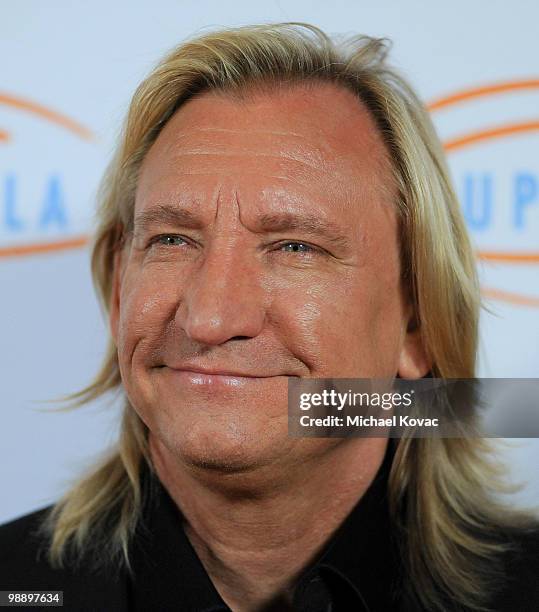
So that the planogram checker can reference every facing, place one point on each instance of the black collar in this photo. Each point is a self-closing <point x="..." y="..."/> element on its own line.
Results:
<point x="363" y="554"/>
<point x="357" y="570"/>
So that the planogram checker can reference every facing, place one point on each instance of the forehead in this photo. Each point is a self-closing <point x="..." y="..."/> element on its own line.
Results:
<point x="306" y="143"/>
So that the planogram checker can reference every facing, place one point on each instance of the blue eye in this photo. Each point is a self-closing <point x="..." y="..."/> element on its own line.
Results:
<point x="298" y="247"/>
<point x="166" y="240"/>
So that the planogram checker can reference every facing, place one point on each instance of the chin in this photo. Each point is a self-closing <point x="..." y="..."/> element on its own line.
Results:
<point x="223" y="464"/>
<point x="222" y="447"/>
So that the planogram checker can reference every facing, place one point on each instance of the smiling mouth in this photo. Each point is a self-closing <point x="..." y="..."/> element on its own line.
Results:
<point x="194" y="368"/>
<point x="222" y="373"/>
<point x="215" y="377"/>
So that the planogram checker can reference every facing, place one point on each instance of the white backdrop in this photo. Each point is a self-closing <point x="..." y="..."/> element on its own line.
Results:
<point x="68" y="70"/>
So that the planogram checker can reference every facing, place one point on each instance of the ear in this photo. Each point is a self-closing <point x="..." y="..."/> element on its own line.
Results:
<point x="414" y="361"/>
<point x="114" y="305"/>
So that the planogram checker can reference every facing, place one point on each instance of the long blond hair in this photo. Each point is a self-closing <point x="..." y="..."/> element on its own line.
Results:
<point x="442" y="487"/>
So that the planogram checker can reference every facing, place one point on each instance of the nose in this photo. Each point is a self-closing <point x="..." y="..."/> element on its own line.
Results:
<point x="224" y="299"/>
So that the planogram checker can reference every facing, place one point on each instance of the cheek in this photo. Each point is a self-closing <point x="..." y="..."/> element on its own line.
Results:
<point x="146" y="304"/>
<point x="350" y="328"/>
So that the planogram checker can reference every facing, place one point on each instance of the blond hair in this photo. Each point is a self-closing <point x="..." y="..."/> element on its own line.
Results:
<point x="439" y="486"/>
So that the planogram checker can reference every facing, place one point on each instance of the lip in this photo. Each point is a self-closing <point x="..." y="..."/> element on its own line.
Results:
<point x="215" y="372"/>
<point x="203" y="377"/>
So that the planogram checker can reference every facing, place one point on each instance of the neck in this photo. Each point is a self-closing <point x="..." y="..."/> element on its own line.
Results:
<point x="255" y="531"/>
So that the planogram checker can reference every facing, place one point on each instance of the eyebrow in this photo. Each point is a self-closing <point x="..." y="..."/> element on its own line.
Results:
<point x="170" y="215"/>
<point x="312" y="224"/>
<point x="267" y="223"/>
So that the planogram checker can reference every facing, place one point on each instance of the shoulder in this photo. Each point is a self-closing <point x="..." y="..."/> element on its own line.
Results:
<point x="520" y="590"/>
<point x="20" y="546"/>
<point x="24" y="566"/>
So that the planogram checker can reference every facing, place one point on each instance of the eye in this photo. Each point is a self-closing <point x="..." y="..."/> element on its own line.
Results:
<point x="168" y="240"/>
<point x="298" y="247"/>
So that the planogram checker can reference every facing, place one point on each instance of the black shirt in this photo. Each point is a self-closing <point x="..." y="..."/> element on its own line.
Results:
<point x="355" y="572"/>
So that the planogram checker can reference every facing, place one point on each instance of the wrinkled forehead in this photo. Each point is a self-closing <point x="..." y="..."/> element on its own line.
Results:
<point x="315" y="142"/>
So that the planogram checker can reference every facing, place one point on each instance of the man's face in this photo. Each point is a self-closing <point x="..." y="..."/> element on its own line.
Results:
<point x="265" y="246"/>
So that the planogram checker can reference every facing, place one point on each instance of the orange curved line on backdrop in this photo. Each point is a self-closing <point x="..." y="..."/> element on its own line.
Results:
<point x="48" y="114"/>
<point x="508" y="257"/>
<point x="44" y="247"/>
<point x="483" y="91"/>
<point x="516" y="299"/>
<point x="501" y="131"/>
<point x="4" y="136"/>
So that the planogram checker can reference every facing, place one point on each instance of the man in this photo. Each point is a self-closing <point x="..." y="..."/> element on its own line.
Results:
<point x="278" y="207"/>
